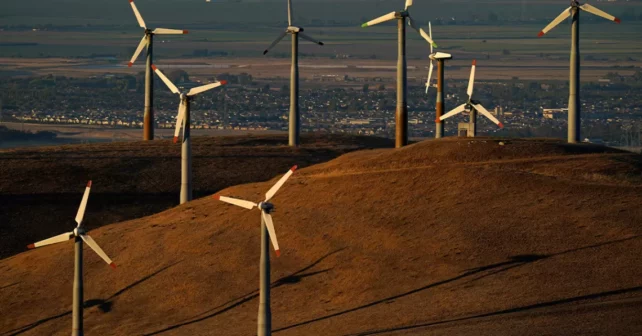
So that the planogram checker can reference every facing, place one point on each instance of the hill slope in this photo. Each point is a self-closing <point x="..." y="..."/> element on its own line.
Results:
<point x="40" y="188"/>
<point x="452" y="237"/>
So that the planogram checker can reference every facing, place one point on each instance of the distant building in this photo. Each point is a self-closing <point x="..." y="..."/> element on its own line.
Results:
<point x="554" y="113"/>
<point x="597" y="141"/>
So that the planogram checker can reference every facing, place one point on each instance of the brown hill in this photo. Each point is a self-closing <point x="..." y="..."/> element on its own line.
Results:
<point x="40" y="189"/>
<point x="452" y="237"/>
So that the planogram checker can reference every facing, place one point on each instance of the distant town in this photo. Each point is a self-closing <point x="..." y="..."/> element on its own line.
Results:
<point x="611" y="107"/>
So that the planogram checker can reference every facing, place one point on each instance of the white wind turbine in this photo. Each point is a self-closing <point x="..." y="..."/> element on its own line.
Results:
<point x="439" y="104"/>
<point x="401" y="116"/>
<point x="148" y="119"/>
<point x="183" y="120"/>
<point x="473" y="106"/>
<point x="574" y="94"/>
<point x="295" y="117"/>
<point x="267" y="229"/>
<point x="79" y="234"/>
<point x="431" y="66"/>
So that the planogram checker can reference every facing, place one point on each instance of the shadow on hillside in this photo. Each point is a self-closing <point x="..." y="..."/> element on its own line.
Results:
<point x="507" y="311"/>
<point x="38" y="216"/>
<point x="512" y="262"/>
<point x="9" y="285"/>
<point x="293" y="278"/>
<point x="103" y="305"/>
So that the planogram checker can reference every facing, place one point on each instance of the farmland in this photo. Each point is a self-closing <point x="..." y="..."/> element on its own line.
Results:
<point x="74" y="38"/>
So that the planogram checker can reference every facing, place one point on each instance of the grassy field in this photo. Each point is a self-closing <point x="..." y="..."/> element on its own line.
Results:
<point x="452" y="237"/>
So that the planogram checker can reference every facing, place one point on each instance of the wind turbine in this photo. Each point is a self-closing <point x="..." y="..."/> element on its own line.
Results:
<point x="183" y="120"/>
<point x="295" y="117"/>
<point x="440" y="58"/>
<point x="79" y="234"/>
<point x="473" y="106"/>
<point x="574" y="96"/>
<point x="401" y="116"/>
<point x="148" y="41"/>
<point x="431" y="66"/>
<point x="267" y="229"/>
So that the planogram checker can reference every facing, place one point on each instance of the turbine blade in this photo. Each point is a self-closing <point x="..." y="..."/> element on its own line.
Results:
<point x="387" y="17"/>
<point x="179" y="119"/>
<point x="278" y="184"/>
<point x="90" y="241"/>
<point x="267" y="219"/>
<point x="139" y="18"/>
<point x="408" y="4"/>
<point x="566" y="13"/>
<point x="199" y="89"/>
<point x="599" y="12"/>
<point x="483" y="111"/>
<point x="471" y="81"/>
<point x="289" y="12"/>
<point x="165" y="31"/>
<point x="430" y="33"/>
<point x="456" y="110"/>
<point x="421" y="32"/>
<point x="53" y="240"/>
<point x="430" y="67"/>
<point x="83" y="204"/>
<point x="278" y="39"/>
<point x="140" y="47"/>
<point x="235" y="201"/>
<point x="166" y="80"/>
<point x="305" y="36"/>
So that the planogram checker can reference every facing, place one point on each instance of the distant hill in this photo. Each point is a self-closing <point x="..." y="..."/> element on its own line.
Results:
<point x="40" y="188"/>
<point x="451" y="237"/>
<point x="9" y="135"/>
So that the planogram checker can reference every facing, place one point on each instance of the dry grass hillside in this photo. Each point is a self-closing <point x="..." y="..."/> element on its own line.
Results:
<point x="40" y="188"/>
<point x="452" y="237"/>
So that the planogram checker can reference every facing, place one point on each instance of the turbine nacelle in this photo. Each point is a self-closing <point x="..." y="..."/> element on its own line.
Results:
<point x="148" y="32"/>
<point x="472" y="104"/>
<point x="403" y="14"/>
<point x="266" y="206"/>
<point x="184" y="98"/>
<point x="79" y="231"/>
<point x="440" y="55"/>
<point x="578" y="7"/>
<point x="294" y="29"/>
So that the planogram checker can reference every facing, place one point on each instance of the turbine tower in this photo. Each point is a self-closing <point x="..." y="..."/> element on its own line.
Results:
<point x="183" y="120"/>
<point x="473" y="106"/>
<point x="440" y="58"/>
<point x="264" y="325"/>
<point x="148" y="41"/>
<point x="401" y="115"/>
<point x="79" y="234"/>
<point x="295" y="117"/>
<point x="574" y="95"/>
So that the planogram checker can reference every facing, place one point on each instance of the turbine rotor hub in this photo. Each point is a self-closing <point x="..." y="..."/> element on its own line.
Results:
<point x="79" y="231"/>
<point x="266" y="206"/>
<point x="403" y="14"/>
